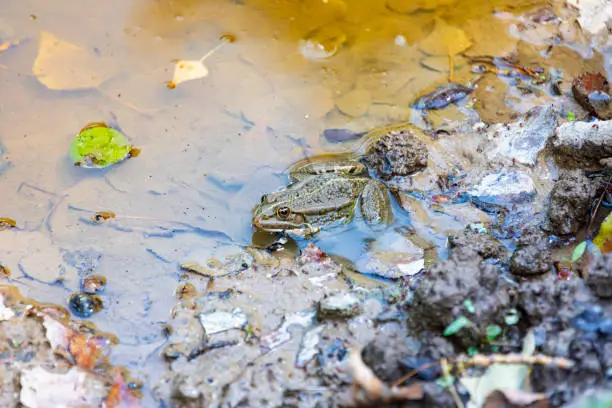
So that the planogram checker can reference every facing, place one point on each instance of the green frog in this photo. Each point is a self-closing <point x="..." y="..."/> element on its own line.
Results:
<point x="324" y="191"/>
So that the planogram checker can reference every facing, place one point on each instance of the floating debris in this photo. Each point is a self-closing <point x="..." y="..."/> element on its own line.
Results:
<point x="308" y="349"/>
<point x="342" y="305"/>
<point x="101" y="217"/>
<point x="93" y="284"/>
<point x="99" y="146"/>
<point x="7" y="223"/>
<point x="85" y="304"/>
<point x="443" y="96"/>
<point x="281" y="335"/>
<point x="218" y="322"/>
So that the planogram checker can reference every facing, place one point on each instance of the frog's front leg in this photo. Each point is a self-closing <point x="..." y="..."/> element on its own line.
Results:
<point x="375" y="204"/>
<point x="325" y="164"/>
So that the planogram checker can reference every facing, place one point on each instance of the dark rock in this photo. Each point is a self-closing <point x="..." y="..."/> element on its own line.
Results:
<point x="592" y="91"/>
<point x="569" y="203"/>
<point x="392" y="354"/>
<point x="85" y="304"/>
<point x="384" y="353"/>
<point x="583" y="144"/>
<point x="399" y="152"/>
<point x="439" y="299"/>
<point x="483" y="242"/>
<point x="341" y="135"/>
<point x="532" y="256"/>
<point x="443" y="96"/>
<point x="600" y="277"/>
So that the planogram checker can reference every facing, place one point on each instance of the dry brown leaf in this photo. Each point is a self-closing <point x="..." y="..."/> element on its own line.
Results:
<point x="515" y="399"/>
<point x="445" y="40"/>
<point x="61" y="65"/>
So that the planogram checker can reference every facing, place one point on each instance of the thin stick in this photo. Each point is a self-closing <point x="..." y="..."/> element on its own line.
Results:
<point x="449" y="380"/>
<point x="596" y="209"/>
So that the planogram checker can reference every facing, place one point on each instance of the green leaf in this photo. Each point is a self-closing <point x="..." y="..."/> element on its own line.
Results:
<point x="493" y="332"/>
<point x="469" y="305"/>
<point x="472" y="351"/>
<point x="579" y="251"/>
<point x="445" y="382"/>
<point x="511" y="318"/>
<point x="571" y="116"/>
<point x="457" y="325"/>
<point x="99" y="146"/>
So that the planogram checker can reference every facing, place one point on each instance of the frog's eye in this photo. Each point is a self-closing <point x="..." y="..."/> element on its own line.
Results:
<point x="263" y="198"/>
<point x="283" y="212"/>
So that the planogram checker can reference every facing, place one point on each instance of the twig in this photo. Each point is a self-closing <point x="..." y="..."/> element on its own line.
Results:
<point x="463" y="361"/>
<point x="448" y="378"/>
<point x="596" y="209"/>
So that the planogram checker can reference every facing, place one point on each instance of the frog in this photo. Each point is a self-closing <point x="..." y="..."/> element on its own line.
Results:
<point x="323" y="191"/>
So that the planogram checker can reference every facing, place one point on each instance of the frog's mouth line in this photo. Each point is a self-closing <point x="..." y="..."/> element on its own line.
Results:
<point x="304" y="229"/>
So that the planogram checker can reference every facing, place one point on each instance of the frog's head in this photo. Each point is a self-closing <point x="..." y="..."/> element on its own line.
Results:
<point x="274" y="214"/>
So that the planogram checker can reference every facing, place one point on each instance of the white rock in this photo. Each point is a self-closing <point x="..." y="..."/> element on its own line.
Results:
<point x="6" y="313"/>
<point x="75" y="388"/>
<point x="524" y="139"/>
<point x="504" y="187"/>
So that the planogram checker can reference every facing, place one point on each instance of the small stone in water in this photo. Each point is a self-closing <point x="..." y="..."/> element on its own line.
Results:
<point x="94" y="284"/>
<point x="85" y="304"/>
<point x="341" y="305"/>
<point x="218" y="322"/>
<point x="442" y="96"/>
<point x="340" y="135"/>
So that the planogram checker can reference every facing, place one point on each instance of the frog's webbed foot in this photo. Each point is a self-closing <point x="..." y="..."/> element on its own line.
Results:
<point x="375" y="203"/>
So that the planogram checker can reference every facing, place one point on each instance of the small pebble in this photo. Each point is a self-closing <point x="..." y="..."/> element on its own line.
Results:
<point x="94" y="284"/>
<point x="85" y="304"/>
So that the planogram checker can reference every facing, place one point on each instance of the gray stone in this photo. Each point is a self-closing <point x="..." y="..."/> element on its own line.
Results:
<point x="569" y="203"/>
<point x="504" y="187"/>
<point x="342" y="305"/>
<point x="524" y="139"/>
<point x="584" y="143"/>
<point x="600" y="277"/>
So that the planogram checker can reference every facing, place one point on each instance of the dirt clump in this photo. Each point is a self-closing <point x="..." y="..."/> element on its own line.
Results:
<point x="479" y="239"/>
<point x="569" y="203"/>
<point x="600" y="277"/>
<point x="592" y="91"/>
<point x="439" y="298"/>
<point x="532" y="256"/>
<point x="399" y="152"/>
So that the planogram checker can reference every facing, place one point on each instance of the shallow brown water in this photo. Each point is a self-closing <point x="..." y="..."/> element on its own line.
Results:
<point x="212" y="146"/>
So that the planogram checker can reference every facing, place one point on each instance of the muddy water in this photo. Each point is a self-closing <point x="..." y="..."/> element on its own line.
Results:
<point x="212" y="146"/>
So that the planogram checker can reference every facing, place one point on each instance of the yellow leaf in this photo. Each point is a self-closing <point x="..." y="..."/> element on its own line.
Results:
<point x="604" y="238"/>
<point x="188" y="70"/>
<point x="61" y="65"/>
<point x="445" y="40"/>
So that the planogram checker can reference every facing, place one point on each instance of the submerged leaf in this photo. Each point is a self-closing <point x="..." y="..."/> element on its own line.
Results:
<point x="445" y="40"/>
<point x="603" y="240"/>
<point x="99" y="146"/>
<point x="61" y="65"/>
<point x="457" y="325"/>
